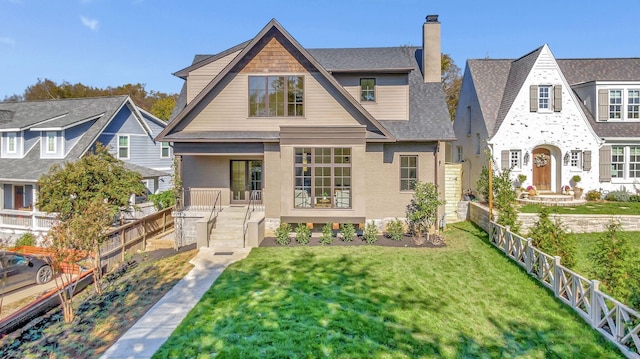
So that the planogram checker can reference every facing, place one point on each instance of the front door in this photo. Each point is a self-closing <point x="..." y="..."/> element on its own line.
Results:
<point x="246" y="176"/>
<point x="542" y="169"/>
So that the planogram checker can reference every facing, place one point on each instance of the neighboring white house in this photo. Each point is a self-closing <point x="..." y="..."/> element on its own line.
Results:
<point x="550" y="120"/>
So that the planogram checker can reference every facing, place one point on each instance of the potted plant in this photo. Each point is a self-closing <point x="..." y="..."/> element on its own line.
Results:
<point x="577" y="191"/>
<point x="520" y="182"/>
<point x="531" y="190"/>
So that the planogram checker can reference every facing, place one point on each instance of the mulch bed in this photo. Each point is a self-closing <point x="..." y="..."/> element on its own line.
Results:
<point x="407" y="241"/>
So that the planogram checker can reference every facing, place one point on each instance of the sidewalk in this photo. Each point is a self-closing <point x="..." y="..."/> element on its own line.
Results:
<point x="154" y="328"/>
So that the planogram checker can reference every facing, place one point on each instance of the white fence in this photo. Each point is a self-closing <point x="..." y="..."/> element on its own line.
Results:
<point x="619" y="323"/>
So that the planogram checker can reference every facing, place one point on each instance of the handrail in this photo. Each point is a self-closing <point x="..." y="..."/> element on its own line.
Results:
<point x="214" y="213"/>
<point x="253" y="196"/>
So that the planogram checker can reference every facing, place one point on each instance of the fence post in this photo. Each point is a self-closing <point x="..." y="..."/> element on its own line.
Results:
<point x="595" y="305"/>
<point x="556" y="275"/>
<point x="144" y="234"/>
<point x="164" y="220"/>
<point x="529" y="255"/>
<point x="122" y="244"/>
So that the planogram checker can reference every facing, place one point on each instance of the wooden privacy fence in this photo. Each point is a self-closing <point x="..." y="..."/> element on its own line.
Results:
<point x="618" y="323"/>
<point x="132" y="237"/>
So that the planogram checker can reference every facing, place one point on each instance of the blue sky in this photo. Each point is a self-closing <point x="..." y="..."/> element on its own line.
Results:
<point x="110" y="43"/>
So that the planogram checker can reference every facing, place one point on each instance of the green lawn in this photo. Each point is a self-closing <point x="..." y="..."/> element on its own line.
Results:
<point x="585" y="243"/>
<point x="596" y="207"/>
<point x="465" y="300"/>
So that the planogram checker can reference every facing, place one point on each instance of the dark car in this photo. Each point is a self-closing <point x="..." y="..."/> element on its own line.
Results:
<point x="18" y="270"/>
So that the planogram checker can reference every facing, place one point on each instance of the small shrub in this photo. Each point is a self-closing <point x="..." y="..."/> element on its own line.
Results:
<point x="618" y="196"/>
<point x="634" y="198"/>
<point x="370" y="233"/>
<point x="282" y="234"/>
<point x="163" y="199"/>
<point x="594" y="195"/>
<point x="26" y="239"/>
<point x="395" y="230"/>
<point x="550" y="237"/>
<point x="327" y="234"/>
<point x="348" y="232"/>
<point x="303" y="234"/>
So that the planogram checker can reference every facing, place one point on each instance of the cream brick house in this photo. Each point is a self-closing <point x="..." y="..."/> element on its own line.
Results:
<point x="316" y="135"/>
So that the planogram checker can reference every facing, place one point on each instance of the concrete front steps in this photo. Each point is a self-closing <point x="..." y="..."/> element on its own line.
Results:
<point x="228" y="231"/>
<point x="164" y="241"/>
<point x="552" y="199"/>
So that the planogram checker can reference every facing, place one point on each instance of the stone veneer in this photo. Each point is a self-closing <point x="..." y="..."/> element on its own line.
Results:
<point x="575" y="223"/>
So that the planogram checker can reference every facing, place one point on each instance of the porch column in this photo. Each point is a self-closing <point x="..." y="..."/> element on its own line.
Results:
<point x="34" y="197"/>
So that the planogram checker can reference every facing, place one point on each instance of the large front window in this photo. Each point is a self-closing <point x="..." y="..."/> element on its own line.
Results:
<point x="322" y="178"/>
<point x="276" y="96"/>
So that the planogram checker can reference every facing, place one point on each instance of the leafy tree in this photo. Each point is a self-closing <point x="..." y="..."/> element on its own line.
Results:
<point x="550" y="237"/>
<point x="616" y="263"/>
<point x="162" y="200"/>
<point x="422" y="211"/>
<point x="451" y="83"/>
<point x="86" y="194"/>
<point x="49" y="90"/>
<point x="504" y="196"/>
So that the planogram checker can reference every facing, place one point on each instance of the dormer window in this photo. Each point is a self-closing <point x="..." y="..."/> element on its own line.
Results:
<point x="12" y="147"/>
<point x="367" y="90"/>
<point x="633" y="108"/>
<point x="618" y="104"/>
<point x="51" y="142"/>
<point x="615" y="104"/>
<point x="276" y="96"/>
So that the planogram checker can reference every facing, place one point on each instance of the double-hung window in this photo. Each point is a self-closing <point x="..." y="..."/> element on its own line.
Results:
<point x="408" y="172"/>
<point x="51" y="142"/>
<point x="633" y="104"/>
<point x="617" y="161"/>
<point x="544" y="97"/>
<point x="575" y="159"/>
<point x="634" y="162"/>
<point x="367" y="90"/>
<point x="322" y="177"/>
<point x="11" y="142"/>
<point x="164" y="150"/>
<point x="615" y="104"/>
<point x="123" y="147"/>
<point x="276" y="96"/>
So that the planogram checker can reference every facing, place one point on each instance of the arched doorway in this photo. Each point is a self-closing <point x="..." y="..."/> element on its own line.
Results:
<point x="542" y="169"/>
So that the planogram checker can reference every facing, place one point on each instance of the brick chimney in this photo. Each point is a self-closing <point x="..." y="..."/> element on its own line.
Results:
<point x="431" y="49"/>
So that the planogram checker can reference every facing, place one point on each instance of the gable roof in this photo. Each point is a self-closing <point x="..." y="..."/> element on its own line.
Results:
<point x="57" y="114"/>
<point x="498" y="81"/>
<point x="429" y="116"/>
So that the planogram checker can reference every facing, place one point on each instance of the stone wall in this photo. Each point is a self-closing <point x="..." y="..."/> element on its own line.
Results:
<point x="185" y="226"/>
<point x="574" y="223"/>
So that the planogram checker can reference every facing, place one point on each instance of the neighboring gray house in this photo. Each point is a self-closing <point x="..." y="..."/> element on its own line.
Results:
<point x="318" y="135"/>
<point x="551" y="119"/>
<point x="34" y="135"/>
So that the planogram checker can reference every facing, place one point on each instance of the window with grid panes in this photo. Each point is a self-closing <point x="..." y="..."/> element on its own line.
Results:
<point x="617" y="161"/>
<point x="634" y="162"/>
<point x="514" y="159"/>
<point x="322" y="177"/>
<point x="574" y="160"/>
<point x="633" y="106"/>
<point x="408" y="172"/>
<point x="615" y="104"/>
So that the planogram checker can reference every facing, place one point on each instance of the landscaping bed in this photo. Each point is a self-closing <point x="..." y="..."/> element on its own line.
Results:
<point x="129" y="292"/>
<point x="383" y="241"/>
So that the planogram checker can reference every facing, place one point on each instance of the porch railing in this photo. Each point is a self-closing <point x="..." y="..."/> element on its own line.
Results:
<point x="616" y="321"/>
<point x="255" y="204"/>
<point x="26" y="220"/>
<point x="197" y="198"/>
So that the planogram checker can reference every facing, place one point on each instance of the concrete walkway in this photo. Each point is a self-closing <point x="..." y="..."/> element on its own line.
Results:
<point x="154" y="328"/>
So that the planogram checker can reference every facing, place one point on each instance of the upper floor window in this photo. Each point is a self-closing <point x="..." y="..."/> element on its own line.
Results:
<point x="11" y="142"/>
<point x="615" y="104"/>
<point x="544" y="97"/>
<point x="276" y="96"/>
<point x="367" y="90"/>
<point x="460" y="153"/>
<point x="633" y="107"/>
<point x="51" y="142"/>
<point x="123" y="147"/>
<point x="408" y="172"/>
<point x="164" y="150"/>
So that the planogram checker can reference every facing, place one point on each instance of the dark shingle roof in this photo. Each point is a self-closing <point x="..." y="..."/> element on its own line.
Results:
<point x="32" y="114"/>
<point x="377" y="58"/>
<point x="497" y="82"/>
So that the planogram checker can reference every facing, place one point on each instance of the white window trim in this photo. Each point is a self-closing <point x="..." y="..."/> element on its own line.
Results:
<point x="549" y="98"/>
<point x="128" y="147"/>
<point x="13" y="135"/>
<point x="48" y="141"/>
<point x="580" y="155"/>
<point x="518" y="166"/>
<point x="162" y="146"/>
<point x="628" y="103"/>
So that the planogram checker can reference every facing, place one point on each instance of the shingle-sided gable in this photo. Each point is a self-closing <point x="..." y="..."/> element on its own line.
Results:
<point x="274" y="49"/>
